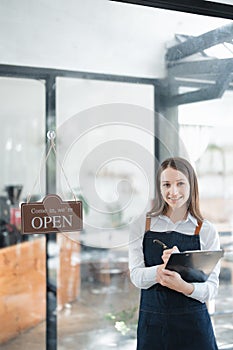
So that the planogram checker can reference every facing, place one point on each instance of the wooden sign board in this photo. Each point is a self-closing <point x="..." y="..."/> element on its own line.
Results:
<point x="51" y="215"/>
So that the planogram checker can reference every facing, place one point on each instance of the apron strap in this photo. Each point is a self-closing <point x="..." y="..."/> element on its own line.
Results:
<point x="148" y="220"/>
<point x="198" y="228"/>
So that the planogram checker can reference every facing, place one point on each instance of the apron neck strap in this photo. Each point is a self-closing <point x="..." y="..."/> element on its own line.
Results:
<point x="148" y="220"/>
<point x="198" y="228"/>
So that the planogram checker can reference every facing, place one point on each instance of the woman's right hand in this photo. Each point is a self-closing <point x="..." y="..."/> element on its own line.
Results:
<point x="168" y="252"/>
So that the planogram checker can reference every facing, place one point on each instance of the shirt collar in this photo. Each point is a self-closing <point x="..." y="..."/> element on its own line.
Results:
<point x="193" y="219"/>
<point x="189" y="218"/>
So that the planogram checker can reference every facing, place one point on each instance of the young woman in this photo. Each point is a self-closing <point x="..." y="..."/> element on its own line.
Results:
<point x="173" y="313"/>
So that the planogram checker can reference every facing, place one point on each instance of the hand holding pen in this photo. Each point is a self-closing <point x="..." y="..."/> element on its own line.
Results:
<point x="166" y="251"/>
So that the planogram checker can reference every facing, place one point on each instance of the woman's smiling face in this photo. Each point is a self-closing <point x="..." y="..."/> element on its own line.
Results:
<point x="175" y="188"/>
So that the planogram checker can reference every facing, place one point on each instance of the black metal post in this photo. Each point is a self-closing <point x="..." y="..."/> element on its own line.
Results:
<point x="162" y="91"/>
<point x="51" y="281"/>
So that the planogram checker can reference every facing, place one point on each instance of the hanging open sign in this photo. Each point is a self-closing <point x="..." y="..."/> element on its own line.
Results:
<point x="51" y="215"/>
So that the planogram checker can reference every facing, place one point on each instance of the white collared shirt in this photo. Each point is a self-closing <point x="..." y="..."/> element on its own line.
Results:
<point x="145" y="277"/>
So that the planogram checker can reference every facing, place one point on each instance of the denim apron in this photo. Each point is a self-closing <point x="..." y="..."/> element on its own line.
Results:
<point x="169" y="320"/>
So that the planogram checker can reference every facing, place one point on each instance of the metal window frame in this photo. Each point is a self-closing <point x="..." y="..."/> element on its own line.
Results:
<point x="198" y="7"/>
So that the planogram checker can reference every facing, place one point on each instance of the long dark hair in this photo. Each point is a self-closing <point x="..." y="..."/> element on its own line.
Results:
<point x="186" y="168"/>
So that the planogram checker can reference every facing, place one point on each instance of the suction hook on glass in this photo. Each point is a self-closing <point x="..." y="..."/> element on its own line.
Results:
<point x="51" y="135"/>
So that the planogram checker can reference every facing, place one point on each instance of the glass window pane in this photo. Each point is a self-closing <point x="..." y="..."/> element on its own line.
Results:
<point x="22" y="258"/>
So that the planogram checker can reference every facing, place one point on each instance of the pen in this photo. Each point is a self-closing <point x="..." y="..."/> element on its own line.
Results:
<point x="161" y="243"/>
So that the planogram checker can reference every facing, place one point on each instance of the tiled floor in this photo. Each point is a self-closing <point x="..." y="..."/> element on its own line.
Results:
<point x="86" y="323"/>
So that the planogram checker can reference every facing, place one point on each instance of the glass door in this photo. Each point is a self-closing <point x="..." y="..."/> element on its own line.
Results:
<point x="107" y="152"/>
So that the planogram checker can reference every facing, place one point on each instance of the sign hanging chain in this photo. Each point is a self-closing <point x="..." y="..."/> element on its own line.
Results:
<point x="51" y="136"/>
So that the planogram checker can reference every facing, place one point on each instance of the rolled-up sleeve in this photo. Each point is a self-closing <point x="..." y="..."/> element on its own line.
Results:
<point x="141" y="276"/>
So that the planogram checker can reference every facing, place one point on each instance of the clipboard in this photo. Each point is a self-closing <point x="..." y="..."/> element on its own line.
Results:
<point x="194" y="265"/>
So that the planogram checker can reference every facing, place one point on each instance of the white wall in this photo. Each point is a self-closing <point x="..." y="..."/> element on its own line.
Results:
<point x="92" y="35"/>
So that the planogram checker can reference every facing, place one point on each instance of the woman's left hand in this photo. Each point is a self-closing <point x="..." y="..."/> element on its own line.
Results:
<point x="173" y="280"/>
